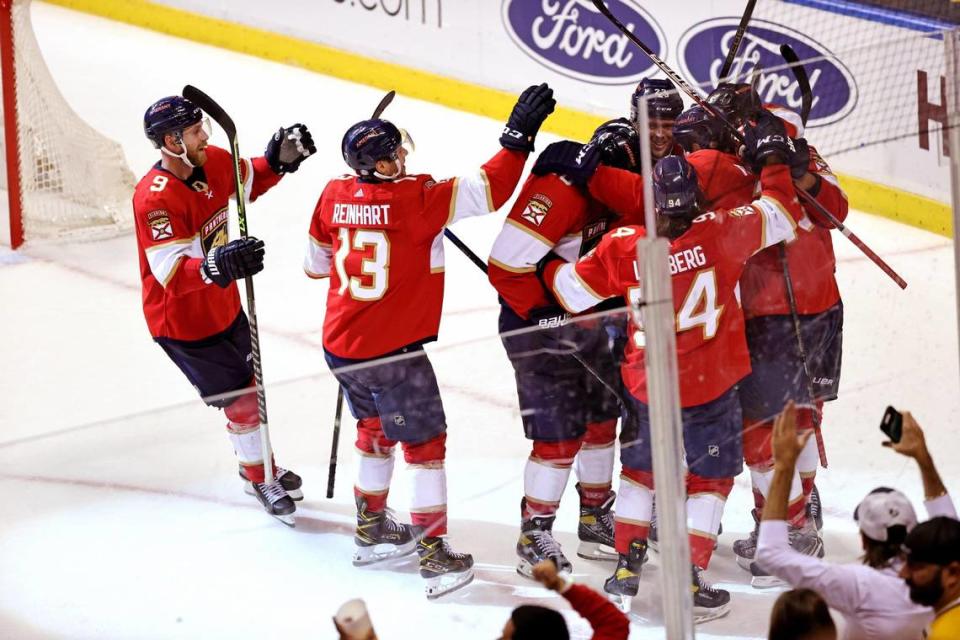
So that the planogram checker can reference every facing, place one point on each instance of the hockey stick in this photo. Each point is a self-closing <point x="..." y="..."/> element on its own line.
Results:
<point x="800" y="73"/>
<point x="215" y="111"/>
<point x="460" y="244"/>
<point x="332" y="474"/>
<point x="737" y="39"/>
<point x="806" y="197"/>
<point x="384" y="103"/>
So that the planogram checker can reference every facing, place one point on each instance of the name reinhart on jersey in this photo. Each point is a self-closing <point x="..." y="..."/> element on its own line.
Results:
<point x="348" y="213"/>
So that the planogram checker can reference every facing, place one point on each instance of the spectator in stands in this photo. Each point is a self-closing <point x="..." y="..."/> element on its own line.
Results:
<point x="534" y="622"/>
<point x="801" y="614"/>
<point x="873" y="600"/>
<point x="932" y="571"/>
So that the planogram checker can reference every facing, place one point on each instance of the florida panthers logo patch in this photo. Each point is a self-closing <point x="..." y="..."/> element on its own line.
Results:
<point x="160" y="226"/>
<point x="537" y="209"/>
<point x="214" y="231"/>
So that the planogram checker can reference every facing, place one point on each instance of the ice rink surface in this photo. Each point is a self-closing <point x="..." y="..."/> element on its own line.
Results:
<point x="122" y="514"/>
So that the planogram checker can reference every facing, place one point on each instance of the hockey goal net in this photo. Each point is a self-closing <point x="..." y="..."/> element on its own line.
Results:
<point x="61" y="177"/>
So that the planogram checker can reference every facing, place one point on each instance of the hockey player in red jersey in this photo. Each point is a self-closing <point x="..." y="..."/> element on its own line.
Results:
<point x="780" y="372"/>
<point x="189" y="267"/>
<point x="708" y="251"/>
<point x="378" y="235"/>
<point x="568" y="413"/>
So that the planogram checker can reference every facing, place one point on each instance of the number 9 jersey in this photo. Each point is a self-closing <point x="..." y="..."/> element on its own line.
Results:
<point x="381" y="244"/>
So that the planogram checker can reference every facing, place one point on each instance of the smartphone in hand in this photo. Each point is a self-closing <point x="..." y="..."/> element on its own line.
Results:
<point x="892" y="424"/>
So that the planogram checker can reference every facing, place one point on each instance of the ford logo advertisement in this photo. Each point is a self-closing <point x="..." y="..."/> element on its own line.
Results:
<point x="704" y="46"/>
<point x="574" y="39"/>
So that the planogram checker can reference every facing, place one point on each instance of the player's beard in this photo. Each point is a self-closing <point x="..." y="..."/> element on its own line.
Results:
<point x="197" y="157"/>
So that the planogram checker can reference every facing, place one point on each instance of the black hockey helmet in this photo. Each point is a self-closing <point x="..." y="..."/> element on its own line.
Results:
<point x="168" y="115"/>
<point x="737" y="101"/>
<point x="676" y="192"/>
<point x="663" y="101"/>
<point x="369" y="141"/>
<point x="697" y="126"/>
<point x="619" y="144"/>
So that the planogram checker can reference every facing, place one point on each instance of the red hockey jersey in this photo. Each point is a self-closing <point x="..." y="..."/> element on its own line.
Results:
<point x="381" y="244"/>
<point x="550" y="214"/>
<point x="177" y="223"/>
<point x="705" y="264"/>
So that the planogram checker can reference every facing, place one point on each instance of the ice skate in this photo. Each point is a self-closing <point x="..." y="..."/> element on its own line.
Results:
<point x="596" y="530"/>
<point x="537" y="544"/>
<point x="623" y="585"/>
<point x="709" y="603"/>
<point x="275" y="500"/>
<point x="802" y="539"/>
<point x="444" y="569"/>
<point x="380" y="537"/>
<point x="746" y="548"/>
<point x="290" y="482"/>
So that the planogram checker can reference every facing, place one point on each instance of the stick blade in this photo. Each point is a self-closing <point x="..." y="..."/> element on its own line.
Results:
<point x="800" y="73"/>
<point x="214" y="110"/>
<point x="384" y="103"/>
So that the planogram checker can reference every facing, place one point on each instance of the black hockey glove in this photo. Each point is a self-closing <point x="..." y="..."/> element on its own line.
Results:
<point x="532" y="108"/>
<point x="799" y="159"/>
<point x="567" y="158"/>
<point x="234" y="260"/>
<point x="767" y="139"/>
<point x="557" y="329"/>
<point x="288" y="147"/>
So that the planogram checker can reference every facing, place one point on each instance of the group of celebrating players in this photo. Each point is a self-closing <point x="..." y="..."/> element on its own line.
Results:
<point x="758" y="314"/>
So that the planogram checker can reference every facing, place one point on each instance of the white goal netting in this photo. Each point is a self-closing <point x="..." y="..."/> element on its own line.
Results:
<point x="73" y="181"/>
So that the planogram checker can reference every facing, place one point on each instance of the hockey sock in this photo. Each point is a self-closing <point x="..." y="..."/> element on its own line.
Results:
<point x="545" y="476"/>
<point x="428" y="501"/>
<point x="809" y="458"/>
<point x="374" y="464"/>
<point x="705" y="500"/>
<point x="594" y="464"/>
<point x="634" y="508"/>
<point x="243" y="429"/>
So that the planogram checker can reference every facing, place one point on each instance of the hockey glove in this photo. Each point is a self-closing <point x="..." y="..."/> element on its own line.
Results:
<point x="288" y="147"/>
<point x="800" y="159"/>
<point x="767" y="139"/>
<point x="234" y="260"/>
<point x="532" y="108"/>
<point x="567" y="158"/>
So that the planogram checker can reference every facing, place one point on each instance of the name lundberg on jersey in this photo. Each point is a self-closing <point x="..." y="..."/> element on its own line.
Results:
<point x="687" y="259"/>
<point x="361" y="214"/>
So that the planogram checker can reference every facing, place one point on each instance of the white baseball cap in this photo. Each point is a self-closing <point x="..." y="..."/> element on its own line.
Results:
<point x="882" y="509"/>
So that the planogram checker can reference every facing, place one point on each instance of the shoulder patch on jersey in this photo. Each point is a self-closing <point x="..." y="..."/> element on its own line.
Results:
<point x="537" y="208"/>
<point x="740" y="212"/>
<point x="160" y="226"/>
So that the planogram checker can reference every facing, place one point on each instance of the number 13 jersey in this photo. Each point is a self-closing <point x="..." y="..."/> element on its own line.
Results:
<point x="381" y="244"/>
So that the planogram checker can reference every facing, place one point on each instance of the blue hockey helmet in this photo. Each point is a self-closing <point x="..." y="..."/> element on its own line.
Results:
<point x="167" y="115"/>
<point x="697" y="126"/>
<point x="369" y="141"/>
<point x="619" y="144"/>
<point x="676" y="192"/>
<point x="663" y="101"/>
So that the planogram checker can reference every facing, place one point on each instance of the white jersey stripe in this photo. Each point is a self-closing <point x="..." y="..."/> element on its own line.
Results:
<point x="164" y="258"/>
<point x="572" y="292"/>
<point x="317" y="261"/>
<point x="518" y="249"/>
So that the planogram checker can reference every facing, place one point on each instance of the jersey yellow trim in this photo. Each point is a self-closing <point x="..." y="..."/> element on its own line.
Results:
<point x="506" y="267"/>
<point x="864" y="195"/>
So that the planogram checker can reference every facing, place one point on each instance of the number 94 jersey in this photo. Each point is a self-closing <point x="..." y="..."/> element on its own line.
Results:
<point x="705" y="264"/>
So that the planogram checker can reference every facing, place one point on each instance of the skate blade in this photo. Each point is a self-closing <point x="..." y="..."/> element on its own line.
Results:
<point x="287" y="519"/>
<point x="597" y="551"/>
<point x="704" y="614"/>
<point x="447" y="583"/>
<point x="525" y="569"/>
<point x="296" y="494"/>
<point x="621" y="601"/>
<point x="364" y="556"/>
<point x="766" y="582"/>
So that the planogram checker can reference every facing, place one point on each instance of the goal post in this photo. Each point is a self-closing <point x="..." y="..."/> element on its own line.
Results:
<point x="63" y="178"/>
